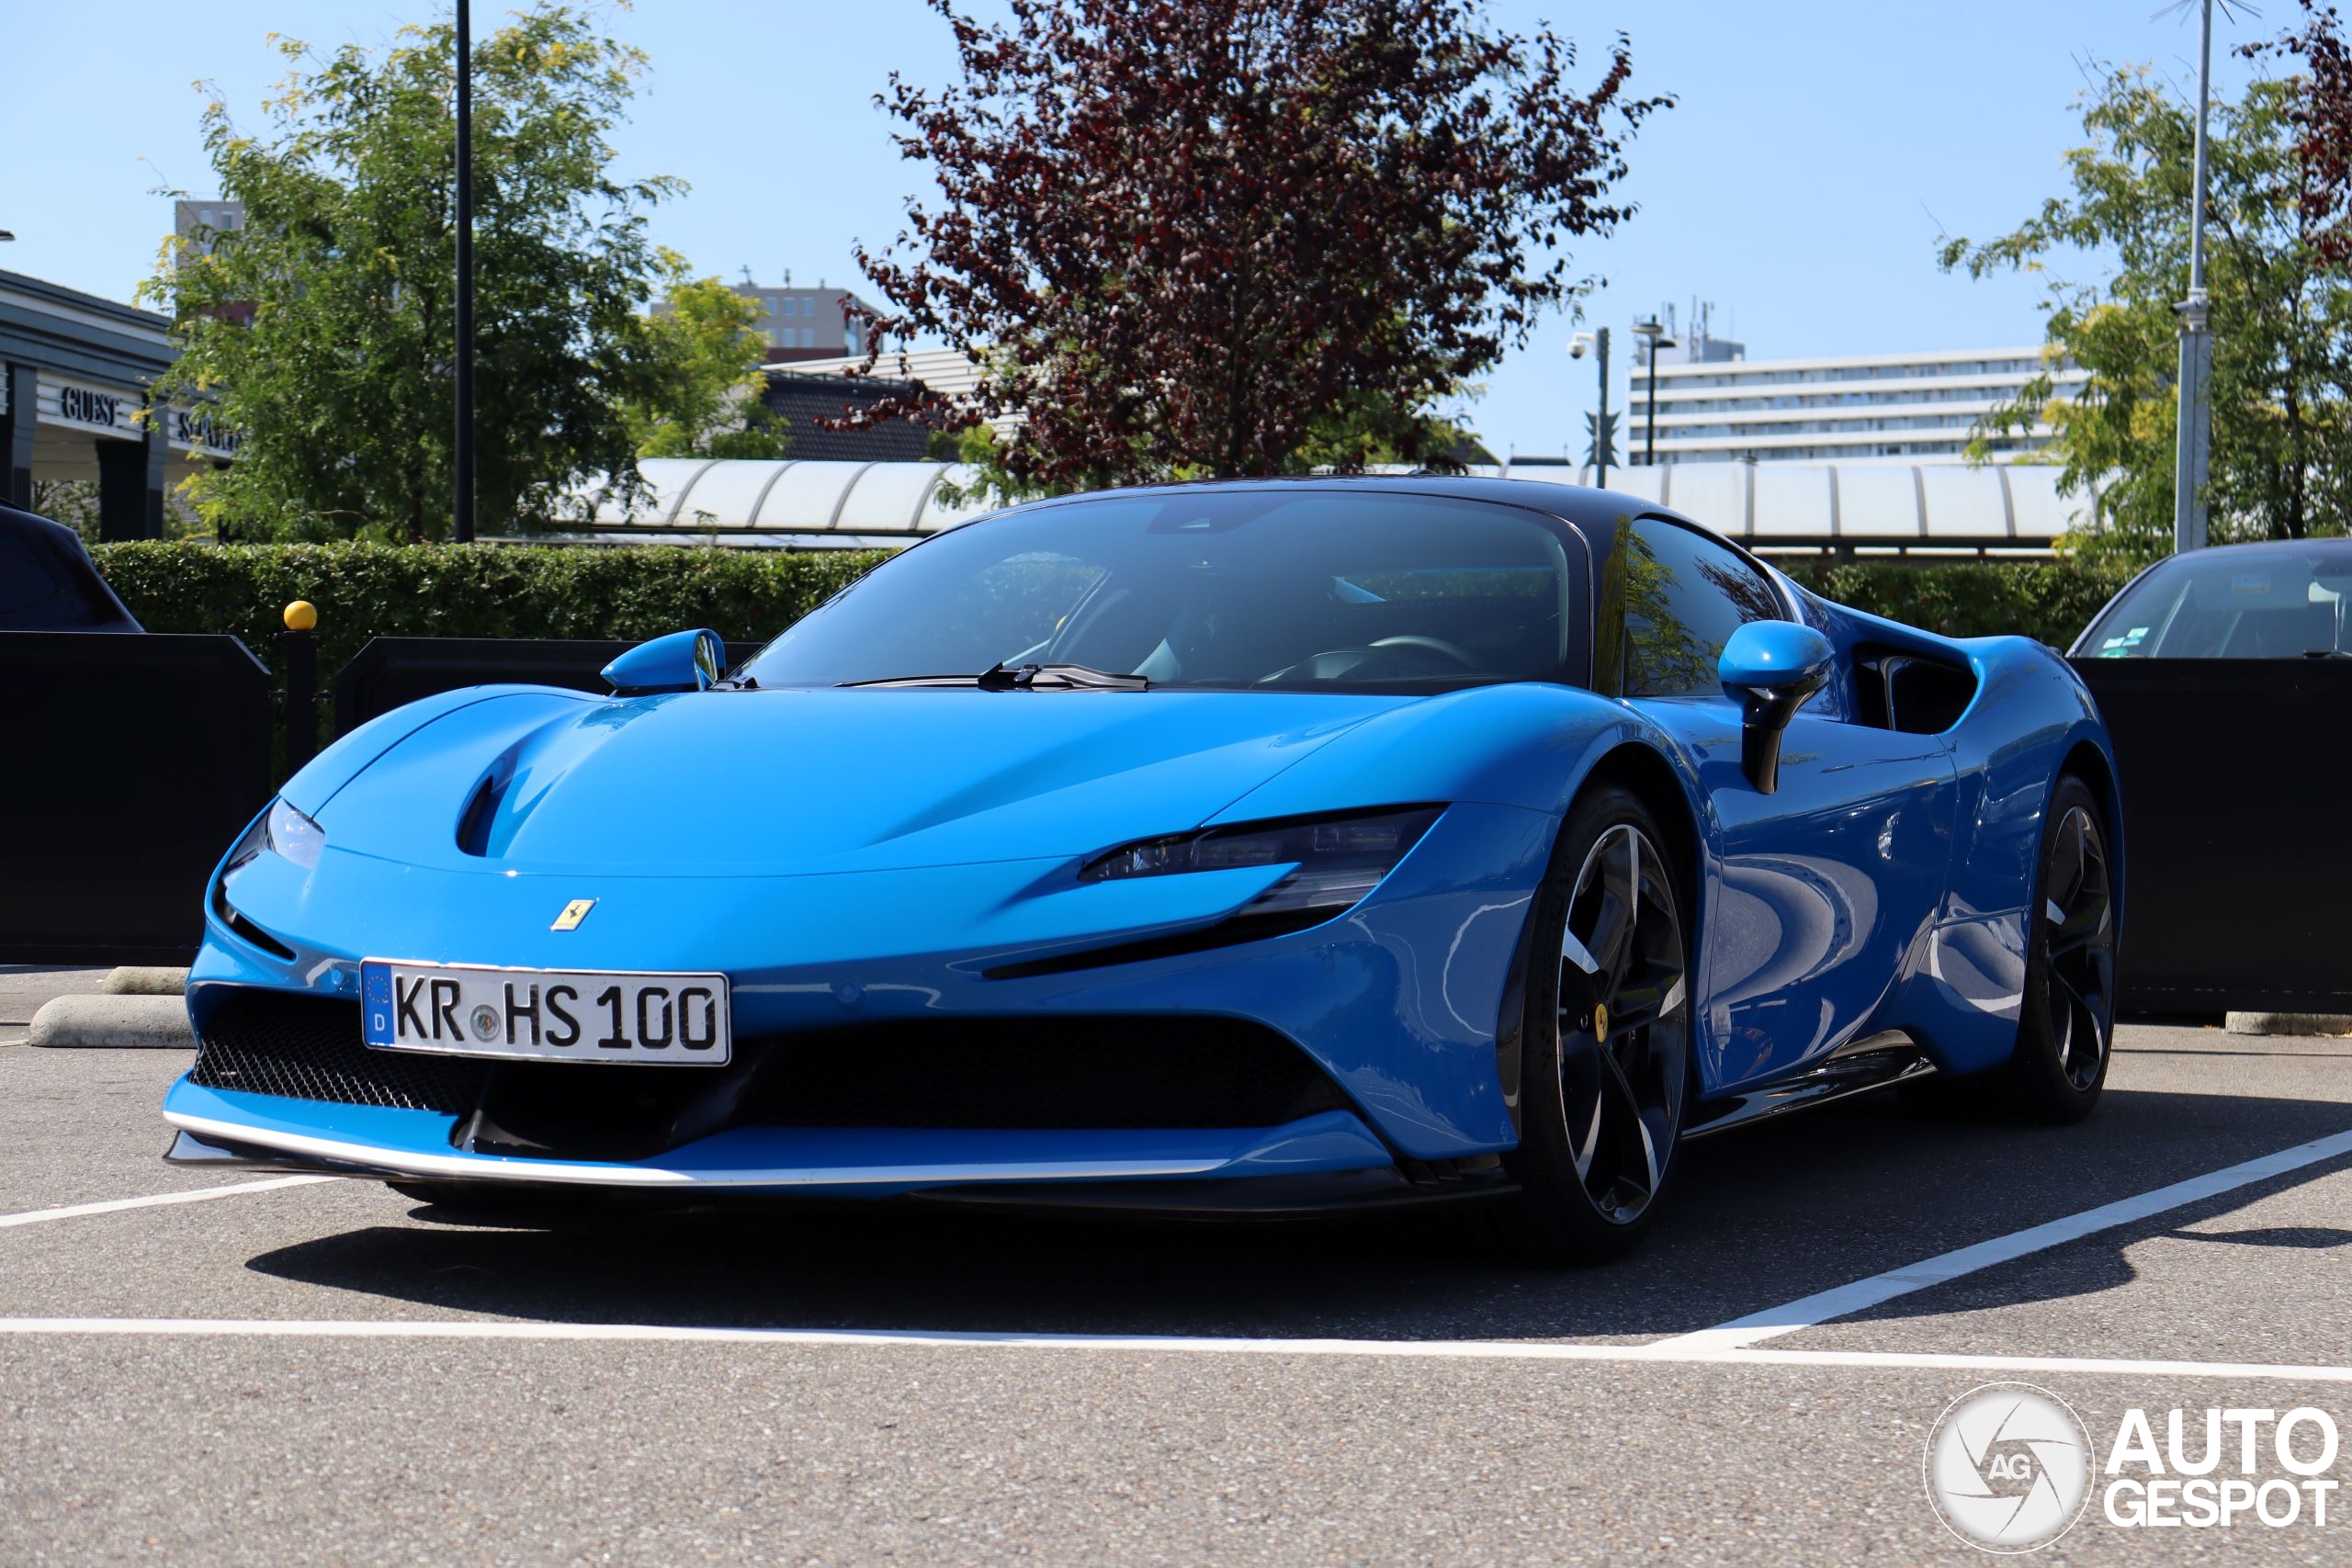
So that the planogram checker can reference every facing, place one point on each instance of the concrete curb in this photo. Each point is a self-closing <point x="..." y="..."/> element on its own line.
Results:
<point x="101" y="1021"/>
<point x="130" y="981"/>
<point x="2288" y="1023"/>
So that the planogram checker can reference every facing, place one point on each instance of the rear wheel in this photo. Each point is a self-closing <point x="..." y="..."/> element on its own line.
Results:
<point x="1606" y="1037"/>
<point x="2066" y="1025"/>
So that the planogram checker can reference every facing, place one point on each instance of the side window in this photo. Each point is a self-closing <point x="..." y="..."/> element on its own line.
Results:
<point x="1684" y="596"/>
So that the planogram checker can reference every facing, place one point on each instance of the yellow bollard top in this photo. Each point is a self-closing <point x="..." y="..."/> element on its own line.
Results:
<point x="301" y="616"/>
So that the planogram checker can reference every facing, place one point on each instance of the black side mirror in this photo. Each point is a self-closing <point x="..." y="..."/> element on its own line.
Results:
<point x="1770" y="667"/>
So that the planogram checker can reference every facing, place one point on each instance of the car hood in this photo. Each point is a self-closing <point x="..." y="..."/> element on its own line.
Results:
<point x="783" y="781"/>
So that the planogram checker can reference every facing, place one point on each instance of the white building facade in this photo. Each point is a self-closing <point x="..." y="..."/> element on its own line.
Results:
<point x="1893" y="408"/>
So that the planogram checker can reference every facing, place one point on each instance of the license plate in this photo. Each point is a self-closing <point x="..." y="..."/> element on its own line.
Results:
<point x="545" y="1015"/>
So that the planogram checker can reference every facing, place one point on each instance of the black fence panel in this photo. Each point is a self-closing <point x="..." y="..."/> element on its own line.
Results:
<point x="134" y="760"/>
<point x="392" y="670"/>
<point x="2238" y="839"/>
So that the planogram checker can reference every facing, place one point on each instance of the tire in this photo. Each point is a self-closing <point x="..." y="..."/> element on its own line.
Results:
<point x="2066" y="1024"/>
<point x="1605" y="1041"/>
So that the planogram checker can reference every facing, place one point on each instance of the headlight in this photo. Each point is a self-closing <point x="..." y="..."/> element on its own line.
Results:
<point x="284" y="831"/>
<point x="1339" y="859"/>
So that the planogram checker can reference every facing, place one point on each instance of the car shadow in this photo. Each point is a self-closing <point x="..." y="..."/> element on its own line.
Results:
<point x="1755" y="1219"/>
<point x="2309" y="1237"/>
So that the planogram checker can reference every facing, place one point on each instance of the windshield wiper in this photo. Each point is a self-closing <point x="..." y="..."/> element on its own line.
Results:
<point x="1024" y="678"/>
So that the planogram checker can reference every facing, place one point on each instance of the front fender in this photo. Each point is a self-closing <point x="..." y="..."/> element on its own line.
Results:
<point x="1527" y="745"/>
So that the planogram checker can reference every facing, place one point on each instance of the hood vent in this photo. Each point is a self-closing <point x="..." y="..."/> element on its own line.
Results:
<point x="481" y="808"/>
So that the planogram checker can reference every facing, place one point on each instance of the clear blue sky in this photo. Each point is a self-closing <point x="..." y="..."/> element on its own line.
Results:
<point x="1819" y="148"/>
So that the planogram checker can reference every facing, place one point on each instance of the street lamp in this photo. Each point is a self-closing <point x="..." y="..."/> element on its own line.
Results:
<point x="1603" y="435"/>
<point x="1654" y="336"/>
<point x="2192" y="459"/>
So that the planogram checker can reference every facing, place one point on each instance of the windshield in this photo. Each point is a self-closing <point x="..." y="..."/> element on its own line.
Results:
<point x="1326" y="591"/>
<point x="2263" y="604"/>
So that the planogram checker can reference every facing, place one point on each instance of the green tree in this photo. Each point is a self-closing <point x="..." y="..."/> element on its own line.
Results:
<point x="325" y="325"/>
<point x="707" y="402"/>
<point x="2281" y="319"/>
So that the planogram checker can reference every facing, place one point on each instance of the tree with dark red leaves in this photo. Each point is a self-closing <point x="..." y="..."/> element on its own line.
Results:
<point x="2324" y="118"/>
<point x="1242" y="237"/>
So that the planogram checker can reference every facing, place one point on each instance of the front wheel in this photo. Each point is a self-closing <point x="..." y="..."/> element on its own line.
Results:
<point x="1606" y="1037"/>
<point x="2066" y="1023"/>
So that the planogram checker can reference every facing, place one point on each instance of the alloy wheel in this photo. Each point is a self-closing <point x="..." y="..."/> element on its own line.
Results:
<point x="2078" y="914"/>
<point x="1624" y="1040"/>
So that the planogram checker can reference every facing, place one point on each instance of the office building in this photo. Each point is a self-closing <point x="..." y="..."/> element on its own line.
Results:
<point x="1897" y="408"/>
<point x="201" y="222"/>
<point x="805" y="324"/>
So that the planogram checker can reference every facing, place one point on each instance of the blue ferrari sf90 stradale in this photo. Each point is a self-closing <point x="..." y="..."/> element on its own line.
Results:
<point x="1247" y="847"/>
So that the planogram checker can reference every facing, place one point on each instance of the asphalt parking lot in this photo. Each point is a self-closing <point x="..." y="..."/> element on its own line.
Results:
<point x="324" y="1372"/>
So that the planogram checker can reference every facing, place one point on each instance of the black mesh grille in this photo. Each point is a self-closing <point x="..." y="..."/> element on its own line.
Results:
<point x="1074" y="1072"/>
<point x="309" y="1048"/>
<point x="1084" y="1071"/>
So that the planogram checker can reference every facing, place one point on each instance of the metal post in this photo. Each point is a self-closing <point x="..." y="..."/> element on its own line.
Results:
<point x="300" y="638"/>
<point x="1601" y="426"/>
<point x="2193" y="457"/>
<point x="16" y="433"/>
<point x="464" y="451"/>
<point x="1653" y="333"/>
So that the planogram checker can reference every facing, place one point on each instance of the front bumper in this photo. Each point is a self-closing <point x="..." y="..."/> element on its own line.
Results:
<point x="269" y="1132"/>
<point x="1397" y="1002"/>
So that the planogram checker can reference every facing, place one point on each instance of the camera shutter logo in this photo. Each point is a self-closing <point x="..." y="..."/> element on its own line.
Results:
<point x="2008" y="1467"/>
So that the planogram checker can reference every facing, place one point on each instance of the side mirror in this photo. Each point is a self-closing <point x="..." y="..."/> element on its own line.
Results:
<point x="683" y="661"/>
<point x="1769" y="668"/>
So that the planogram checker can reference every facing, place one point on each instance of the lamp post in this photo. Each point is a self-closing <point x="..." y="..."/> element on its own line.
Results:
<point x="463" y="450"/>
<point x="1603" y="437"/>
<point x="2192" y="459"/>
<point x="1653" y="334"/>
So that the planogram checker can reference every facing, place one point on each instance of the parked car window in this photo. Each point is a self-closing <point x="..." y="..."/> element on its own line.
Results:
<point x="1274" y="590"/>
<point x="2261" y="603"/>
<point x="1684" y="595"/>
<point x="27" y="578"/>
<point x="46" y="582"/>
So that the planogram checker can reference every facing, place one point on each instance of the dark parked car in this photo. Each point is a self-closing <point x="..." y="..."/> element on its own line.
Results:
<point x="2225" y="677"/>
<point x="2280" y="600"/>
<point x="46" y="582"/>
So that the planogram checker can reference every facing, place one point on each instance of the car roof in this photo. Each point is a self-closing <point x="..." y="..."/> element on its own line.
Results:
<point x="1580" y="504"/>
<point x="1593" y="513"/>
<point x="51" y="583"/>
<point x="2260" y="546"/>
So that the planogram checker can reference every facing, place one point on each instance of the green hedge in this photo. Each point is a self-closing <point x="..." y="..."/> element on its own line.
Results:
<point x="368" y="591"/>
<point x="747" y="596"/>
<point x="2052" y="600"/>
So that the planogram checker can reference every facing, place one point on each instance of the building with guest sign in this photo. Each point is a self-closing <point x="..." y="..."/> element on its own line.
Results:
<point x="75" y="371"/>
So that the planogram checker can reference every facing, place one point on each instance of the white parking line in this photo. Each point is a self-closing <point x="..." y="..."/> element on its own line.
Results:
<point x="1395" y="1350"/>
<point x="192" y="1195"/>
<point x="1808" y="1311"/>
